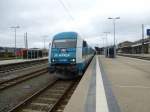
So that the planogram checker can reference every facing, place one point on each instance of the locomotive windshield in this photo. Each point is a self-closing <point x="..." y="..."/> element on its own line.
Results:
<point x="64" y="43"/>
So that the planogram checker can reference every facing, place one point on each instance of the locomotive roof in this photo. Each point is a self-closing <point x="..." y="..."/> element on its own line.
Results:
<point x="66" y="35"/>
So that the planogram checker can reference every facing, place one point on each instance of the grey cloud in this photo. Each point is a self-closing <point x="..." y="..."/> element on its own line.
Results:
<point x="47" y="17"/>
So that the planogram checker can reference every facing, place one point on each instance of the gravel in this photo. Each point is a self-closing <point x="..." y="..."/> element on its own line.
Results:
<point x="12" y="96"/>
<point x="13" y="74"/>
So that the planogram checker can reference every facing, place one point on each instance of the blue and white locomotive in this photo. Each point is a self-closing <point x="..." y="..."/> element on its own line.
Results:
<point x="69" y="55"/>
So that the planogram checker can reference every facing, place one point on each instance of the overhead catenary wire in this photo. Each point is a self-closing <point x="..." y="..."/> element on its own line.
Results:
<point x="69" y="14"/>
<point x="66" y="9"/>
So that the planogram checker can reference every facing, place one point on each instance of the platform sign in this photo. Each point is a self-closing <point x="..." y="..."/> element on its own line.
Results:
<point x="148" y="32"/>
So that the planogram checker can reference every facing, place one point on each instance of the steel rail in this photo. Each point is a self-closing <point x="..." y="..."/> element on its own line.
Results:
<point x="53" y="92"/>
<point x="12" y="82"/>
<point x="17" y="66"/>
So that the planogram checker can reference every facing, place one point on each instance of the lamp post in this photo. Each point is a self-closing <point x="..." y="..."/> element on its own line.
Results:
<point x="142" y="50"/>
<point x="114" y="24"/>
<point x="106" y="37"/>
<point x="44" y="40"/>
<point x="106" y="46"/>
<point x="15" y="28"/>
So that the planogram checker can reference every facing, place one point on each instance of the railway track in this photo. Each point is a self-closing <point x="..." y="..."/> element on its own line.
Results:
<point x="64" y="101"/>
<point x="51" y="98"/>
<point x="11" y="82"/>
<point x="14" y="67"/>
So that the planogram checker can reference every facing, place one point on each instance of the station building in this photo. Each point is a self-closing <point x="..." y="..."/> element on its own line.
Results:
<point x="136" y="47"/>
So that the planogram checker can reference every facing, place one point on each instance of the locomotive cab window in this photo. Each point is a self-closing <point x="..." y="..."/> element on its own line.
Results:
<point x="84" y="44"/>
<point x="64" y="43"/>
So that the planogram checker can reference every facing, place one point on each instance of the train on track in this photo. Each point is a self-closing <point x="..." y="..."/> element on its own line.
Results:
<point x="69" y="55"/>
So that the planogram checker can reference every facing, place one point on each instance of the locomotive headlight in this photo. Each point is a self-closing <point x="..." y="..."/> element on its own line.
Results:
<point x="53" y="60"/>
<point x="73" y="60"/>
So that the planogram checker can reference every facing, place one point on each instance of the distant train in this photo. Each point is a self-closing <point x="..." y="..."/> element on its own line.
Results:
<point x="69" y="55"/>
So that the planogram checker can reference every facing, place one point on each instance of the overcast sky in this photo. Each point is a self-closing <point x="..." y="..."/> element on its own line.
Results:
<point x="44" y="18"/>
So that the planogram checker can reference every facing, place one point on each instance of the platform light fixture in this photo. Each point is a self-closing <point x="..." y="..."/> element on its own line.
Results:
<point x="114" y="24"/>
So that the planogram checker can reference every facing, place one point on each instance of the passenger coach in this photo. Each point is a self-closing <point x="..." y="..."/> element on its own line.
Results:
<point x="69" y="55"/>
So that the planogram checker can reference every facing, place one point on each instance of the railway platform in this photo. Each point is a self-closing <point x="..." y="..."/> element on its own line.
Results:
<point x="142" y="55"/>
<point x="14" y="61"/>
<point x="139" y="56"/>
<point x="90" y="95"/>
<point x="113" y="85"/>
<point x="130" y="80"/>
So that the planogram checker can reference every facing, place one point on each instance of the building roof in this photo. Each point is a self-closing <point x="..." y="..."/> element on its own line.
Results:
<point x="146" y="40"/>
<point x="125" y="44"/>
<point x="135" y="43"/>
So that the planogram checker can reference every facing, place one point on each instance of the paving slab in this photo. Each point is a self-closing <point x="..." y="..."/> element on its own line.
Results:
<point x="130" y="82"/>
